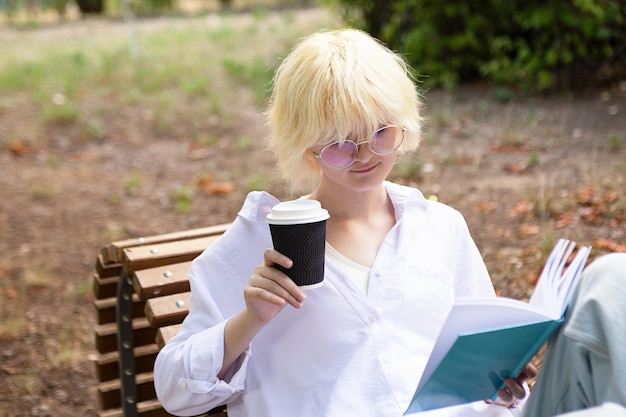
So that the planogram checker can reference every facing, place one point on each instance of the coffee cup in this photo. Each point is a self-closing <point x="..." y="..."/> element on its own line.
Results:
<point x="298" y="229"/>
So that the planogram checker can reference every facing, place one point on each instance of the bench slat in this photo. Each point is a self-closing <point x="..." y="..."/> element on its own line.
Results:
<point x="165" y="334"/>
<point x="107" y="364"/>
<point x="104" y="287"/>
<point x="150" y="408"/>
<point x="109" y="397"/>
<point x="109" y="392"/>
<point x="115" y="251"/>
<point x="162" y="280"/>
<point x="107" y="269"/>
<point x="171" y="309"/>
<point x="153" y="408"/>
<point x="106" y="335"/>
<point x="105" y="309"/>
<point x="168" y="253"/>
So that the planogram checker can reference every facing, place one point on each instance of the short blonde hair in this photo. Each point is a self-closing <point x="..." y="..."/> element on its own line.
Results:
<point x="332" y="86"/>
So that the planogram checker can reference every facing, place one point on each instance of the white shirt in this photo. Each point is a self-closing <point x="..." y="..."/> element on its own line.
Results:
<point x="343" y="353"/>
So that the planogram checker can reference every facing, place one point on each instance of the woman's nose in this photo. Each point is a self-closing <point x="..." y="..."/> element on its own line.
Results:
<point x="364" y="152"/>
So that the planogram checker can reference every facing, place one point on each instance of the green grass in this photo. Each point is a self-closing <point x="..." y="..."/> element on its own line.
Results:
<point x="194" y="61"/>
<point x="616" y="142"/>
<point x="132" y="183"/>
<point x="183" y="197"/>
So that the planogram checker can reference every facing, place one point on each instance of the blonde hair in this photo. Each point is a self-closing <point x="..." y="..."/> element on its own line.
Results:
<point x="332" y="86"/>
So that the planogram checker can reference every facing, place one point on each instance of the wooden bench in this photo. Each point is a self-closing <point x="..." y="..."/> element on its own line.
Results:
<point x="141" y="295"/>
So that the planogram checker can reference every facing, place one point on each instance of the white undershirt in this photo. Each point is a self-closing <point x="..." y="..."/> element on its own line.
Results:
<point x="360" y="274"/>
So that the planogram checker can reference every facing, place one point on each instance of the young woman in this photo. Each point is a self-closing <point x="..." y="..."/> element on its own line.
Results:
<point x="343" y="107"/>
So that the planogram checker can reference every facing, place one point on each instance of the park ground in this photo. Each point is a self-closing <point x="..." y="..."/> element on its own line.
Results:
<point x="524" y="172"/>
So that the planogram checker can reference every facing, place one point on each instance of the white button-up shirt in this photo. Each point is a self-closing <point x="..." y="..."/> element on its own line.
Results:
<point x="343" y="353"/>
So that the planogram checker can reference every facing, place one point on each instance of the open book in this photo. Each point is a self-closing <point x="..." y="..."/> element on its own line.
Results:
<point x="484" y="341"/>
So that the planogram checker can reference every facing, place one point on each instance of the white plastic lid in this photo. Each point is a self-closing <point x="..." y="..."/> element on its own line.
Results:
<point x="297" y="212"/>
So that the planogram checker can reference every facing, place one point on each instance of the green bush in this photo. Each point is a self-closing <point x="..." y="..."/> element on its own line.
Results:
<point x="534" y="45"/>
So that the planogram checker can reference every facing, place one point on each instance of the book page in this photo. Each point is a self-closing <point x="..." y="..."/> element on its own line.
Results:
<point x="557" y="281"/>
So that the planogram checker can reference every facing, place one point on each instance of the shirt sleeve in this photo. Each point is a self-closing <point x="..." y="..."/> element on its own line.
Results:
<point x="186" y="373"/>
<point x="186" y="369"/>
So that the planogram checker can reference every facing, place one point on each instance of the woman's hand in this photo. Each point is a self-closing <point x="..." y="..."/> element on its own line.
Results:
<point x="269" y="289"/>
<point x="514" y="387"/>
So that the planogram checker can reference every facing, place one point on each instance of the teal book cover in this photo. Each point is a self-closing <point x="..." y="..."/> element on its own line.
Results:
<point x="485" y="341"/>
<point x="477" y="363"/>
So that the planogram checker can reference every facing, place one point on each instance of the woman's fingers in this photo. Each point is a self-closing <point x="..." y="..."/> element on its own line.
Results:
<point x="505" y="396"/>
<point x="529" y="372"/>
<point x="273" y="257"/>
<point x="272" y="284"/>
<point x="276" y="287"/>
<point x="514" y="388"/>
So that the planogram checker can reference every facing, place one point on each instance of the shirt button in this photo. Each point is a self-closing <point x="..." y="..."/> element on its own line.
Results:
<point x="386" y="359"/>
<point x="372" y="318"/>
<point x="183" y="385"/>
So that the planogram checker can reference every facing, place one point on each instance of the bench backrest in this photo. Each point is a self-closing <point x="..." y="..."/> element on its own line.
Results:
<point x="141" y="295"/>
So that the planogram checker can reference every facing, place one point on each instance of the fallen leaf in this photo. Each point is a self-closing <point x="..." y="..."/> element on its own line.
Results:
<point x="487" y="206"/>
<point x="585" y="195"/>
<point x="17" y="147"/>
<point x="610" y="196"/>
<point x="609" y="244"/>
<point x="533" y="276"/>
<point x="205" y="180"/>
<point x="521" y="208"/>
<point x="219" y="188"/>
<point x="593" y="215"/>
<point x="563" y="219"/>
<point x="515" y="168"/>
<point x="528" y="229"/>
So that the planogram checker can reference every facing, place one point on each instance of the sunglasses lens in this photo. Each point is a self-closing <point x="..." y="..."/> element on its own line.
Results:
<point x="384" y="142"/>
<point x="339" y="155"/>
<point x="387" y="140"/>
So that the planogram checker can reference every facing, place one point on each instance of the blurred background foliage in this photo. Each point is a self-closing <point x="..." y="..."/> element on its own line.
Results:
<point x="516" y="46"/>
<point x="529" y="45"/>
<point x="31" y="12"/>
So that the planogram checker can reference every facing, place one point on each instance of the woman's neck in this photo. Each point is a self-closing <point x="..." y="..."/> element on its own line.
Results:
<point x="359" y="220"/>
<point x="352" y="204"/>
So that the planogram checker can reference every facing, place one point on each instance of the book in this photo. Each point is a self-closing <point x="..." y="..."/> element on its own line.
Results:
<point x="484" y="341"/>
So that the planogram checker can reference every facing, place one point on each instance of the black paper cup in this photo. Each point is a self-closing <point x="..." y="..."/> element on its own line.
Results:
<point x="298" y="231"/>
